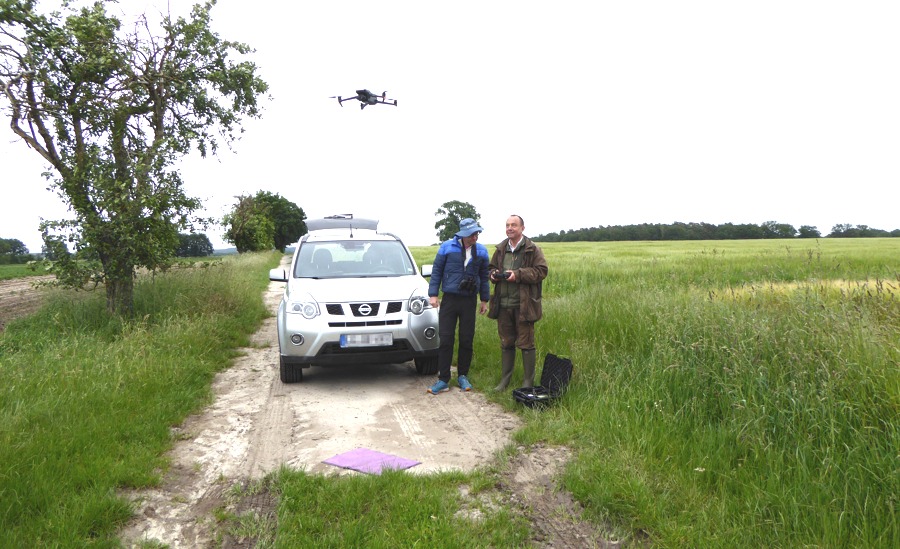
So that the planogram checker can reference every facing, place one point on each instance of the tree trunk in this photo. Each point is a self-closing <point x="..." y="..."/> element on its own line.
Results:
<point x="120" y="296"/>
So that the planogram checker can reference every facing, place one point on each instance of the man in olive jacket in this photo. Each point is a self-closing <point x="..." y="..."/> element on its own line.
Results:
<point x="518" y="268"/>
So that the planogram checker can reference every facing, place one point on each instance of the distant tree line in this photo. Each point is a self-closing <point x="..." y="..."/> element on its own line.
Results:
<point x="860" y="231"/>
<point x="708" y="231"/>
<point x="265" y="221"/>
<point x="13" y="251"/>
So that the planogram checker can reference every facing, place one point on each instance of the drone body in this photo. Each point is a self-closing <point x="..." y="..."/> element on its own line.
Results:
<point x="365" y="97"/>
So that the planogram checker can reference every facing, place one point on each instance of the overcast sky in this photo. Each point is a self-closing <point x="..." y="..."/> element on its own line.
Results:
<point x="570" y="114"/>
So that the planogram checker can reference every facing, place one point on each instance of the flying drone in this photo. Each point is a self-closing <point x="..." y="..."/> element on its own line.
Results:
<point x="365" y="97"/>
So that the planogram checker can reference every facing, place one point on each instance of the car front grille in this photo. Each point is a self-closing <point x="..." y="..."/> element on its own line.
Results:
<point x="337" y="309"/>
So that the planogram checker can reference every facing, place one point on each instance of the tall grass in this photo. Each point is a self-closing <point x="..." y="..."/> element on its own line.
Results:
<point x="725" y="394"/>
<point x="87" y="402"/>
<point x="730" y="394"/>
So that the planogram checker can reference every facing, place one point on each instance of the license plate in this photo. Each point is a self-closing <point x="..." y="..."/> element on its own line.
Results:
<point x="367" y="340"/>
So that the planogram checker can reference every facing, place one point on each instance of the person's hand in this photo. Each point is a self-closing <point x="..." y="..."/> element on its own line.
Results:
<point x="512" y="276"/>
<point x="484" y="307"/>
<point x="434" y="302"/>
<point x="496" y="272"/>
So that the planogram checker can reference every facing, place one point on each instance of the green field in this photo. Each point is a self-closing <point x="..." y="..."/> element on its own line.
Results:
<point x="8" y="272"/>
<point x="725" y="394"/>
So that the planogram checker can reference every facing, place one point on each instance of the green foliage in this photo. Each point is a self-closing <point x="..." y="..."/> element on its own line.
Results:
<point x="111" y="111"/>
<point x="773" y="229"/>
<point x="194" y="245"/>
<point x="288" y="218"/>
<point x="250" y="227"/>
<point x="263" y="222"/>
<point x="807" y="231"/>
<point x="451" y="214"/>
<point x="859" y="231"/>
<point x="12" y="247"/>
<point x="12" y="251"/>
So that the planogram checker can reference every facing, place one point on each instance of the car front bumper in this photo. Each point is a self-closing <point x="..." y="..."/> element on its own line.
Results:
<point x="413" y="336"/>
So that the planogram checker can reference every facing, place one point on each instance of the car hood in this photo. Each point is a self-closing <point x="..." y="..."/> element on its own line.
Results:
<point x="337" y="290"/>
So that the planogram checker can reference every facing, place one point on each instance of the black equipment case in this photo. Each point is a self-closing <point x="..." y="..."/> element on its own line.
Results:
<point x="554" y="379"/>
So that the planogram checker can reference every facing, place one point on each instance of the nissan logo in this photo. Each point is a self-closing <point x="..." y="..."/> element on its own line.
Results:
<point x="365" y="309"/>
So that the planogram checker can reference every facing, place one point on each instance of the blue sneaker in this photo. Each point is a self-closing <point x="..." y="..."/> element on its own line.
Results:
<point x="464" y="383"/>
<point x="439" y="387"/>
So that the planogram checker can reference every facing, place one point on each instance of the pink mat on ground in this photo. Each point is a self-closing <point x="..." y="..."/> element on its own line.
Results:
<point x="369" y="461"/>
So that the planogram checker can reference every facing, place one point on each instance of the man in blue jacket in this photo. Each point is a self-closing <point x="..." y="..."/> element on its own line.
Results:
<point x="461" y="271"/>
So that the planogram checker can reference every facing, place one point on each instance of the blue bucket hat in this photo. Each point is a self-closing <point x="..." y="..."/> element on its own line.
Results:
<point x="468" y="227"/>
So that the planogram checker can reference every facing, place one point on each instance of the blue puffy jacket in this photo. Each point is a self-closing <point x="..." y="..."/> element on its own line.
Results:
<point x="449" y="271"/>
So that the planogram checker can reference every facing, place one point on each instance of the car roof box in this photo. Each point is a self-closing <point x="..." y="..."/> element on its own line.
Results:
<point x="341" y="221"/>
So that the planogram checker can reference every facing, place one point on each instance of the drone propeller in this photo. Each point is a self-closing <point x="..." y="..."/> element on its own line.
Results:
<point x="387" y="101"/>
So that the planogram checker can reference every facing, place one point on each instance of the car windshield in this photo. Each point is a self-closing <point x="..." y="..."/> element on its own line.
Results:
<point x="352" y="258"/>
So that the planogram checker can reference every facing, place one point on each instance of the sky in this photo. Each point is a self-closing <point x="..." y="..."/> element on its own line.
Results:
<point x="570" y="114"/>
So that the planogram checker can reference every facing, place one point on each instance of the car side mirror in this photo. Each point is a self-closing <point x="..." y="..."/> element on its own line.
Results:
<point x="277" y="275"/>
<point x="426" y="271"/>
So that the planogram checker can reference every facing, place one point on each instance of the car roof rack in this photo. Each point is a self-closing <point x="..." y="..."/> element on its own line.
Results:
<point x="341" y="221"/>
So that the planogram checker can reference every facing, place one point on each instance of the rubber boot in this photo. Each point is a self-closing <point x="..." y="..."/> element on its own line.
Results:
<point x="528" y="360"/>
<point x="508" y="362"/>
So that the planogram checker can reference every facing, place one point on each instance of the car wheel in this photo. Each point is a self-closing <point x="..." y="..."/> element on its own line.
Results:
<point x="291" y="373"/>
<point x="427" y="366"/>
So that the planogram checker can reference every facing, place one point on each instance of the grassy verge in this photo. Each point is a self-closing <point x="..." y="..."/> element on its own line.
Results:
<point x="87" y="403"/>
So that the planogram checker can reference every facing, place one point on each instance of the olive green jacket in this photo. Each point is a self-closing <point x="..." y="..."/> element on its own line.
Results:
<point x="529" y="278"/>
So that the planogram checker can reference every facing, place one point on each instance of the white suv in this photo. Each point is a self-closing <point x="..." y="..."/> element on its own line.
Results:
<point x="354" y="295"/>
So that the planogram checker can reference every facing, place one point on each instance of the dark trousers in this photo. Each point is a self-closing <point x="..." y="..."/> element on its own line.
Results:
<point x="456" y="308"/>
<point x="514" y="332"/>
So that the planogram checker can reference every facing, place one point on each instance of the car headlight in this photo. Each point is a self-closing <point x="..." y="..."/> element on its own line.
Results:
<point x="308" y="308"/>
<point x="418" y="304"/>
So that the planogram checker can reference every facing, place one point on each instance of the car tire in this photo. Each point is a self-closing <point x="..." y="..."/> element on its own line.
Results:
<point x="427" y="366"/>
<point x="291" y="373"/>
